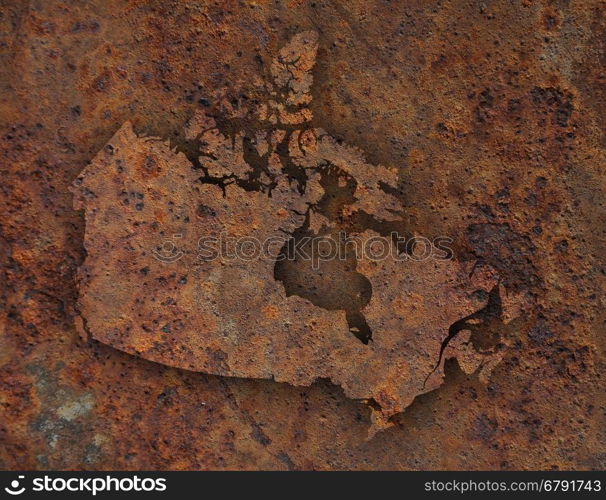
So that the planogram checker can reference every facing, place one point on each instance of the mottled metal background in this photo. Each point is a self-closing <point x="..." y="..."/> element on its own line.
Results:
<point x="493" y="113"/>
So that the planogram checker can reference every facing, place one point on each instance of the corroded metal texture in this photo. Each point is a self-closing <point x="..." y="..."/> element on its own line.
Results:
<point x="225" y="313"/>
<point x="481" y="123"/>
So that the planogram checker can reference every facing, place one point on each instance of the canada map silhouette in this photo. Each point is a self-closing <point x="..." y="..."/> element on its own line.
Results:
<point x="256" y="168"/>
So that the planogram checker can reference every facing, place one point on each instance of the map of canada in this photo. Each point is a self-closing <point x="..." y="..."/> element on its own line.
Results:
<point x="379" y="328"/>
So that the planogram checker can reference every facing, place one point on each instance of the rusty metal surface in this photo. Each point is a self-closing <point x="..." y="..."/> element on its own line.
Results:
<point x="224" y="312"/>
<point x="488" y="123"/>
